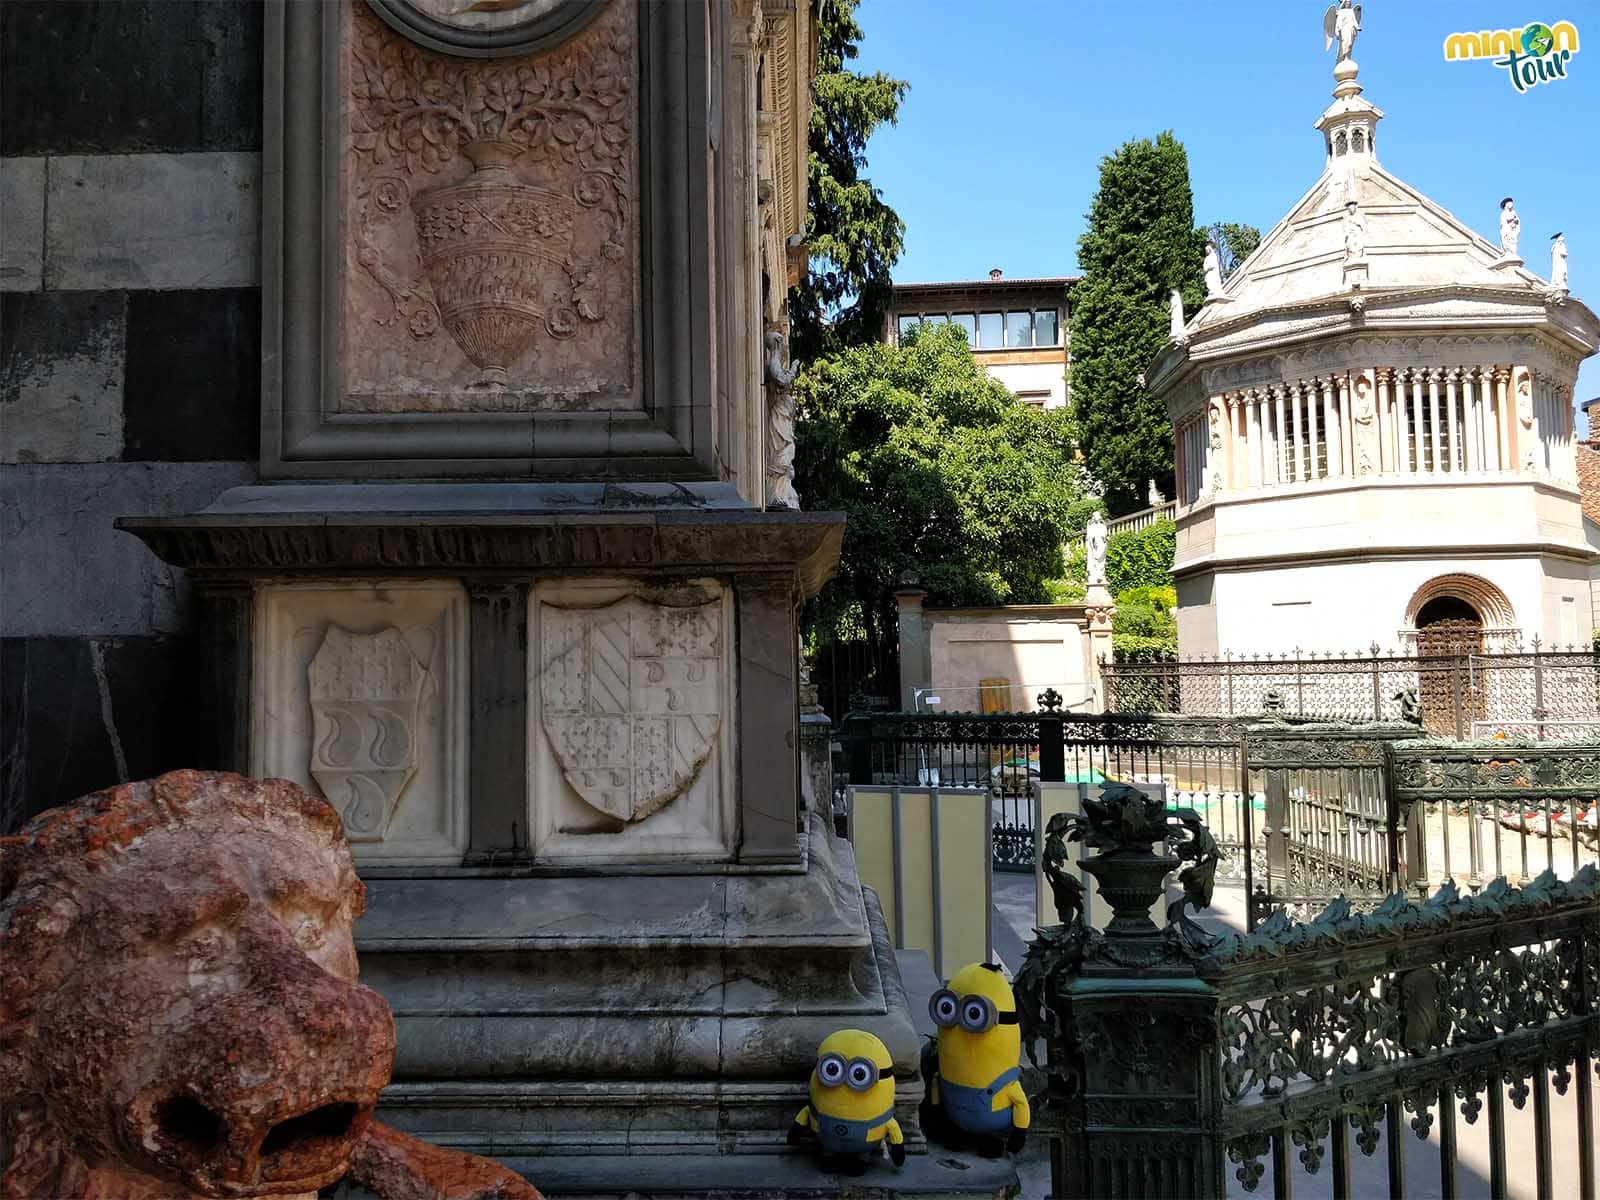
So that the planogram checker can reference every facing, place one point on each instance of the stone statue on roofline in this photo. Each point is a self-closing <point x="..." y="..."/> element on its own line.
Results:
<point x="1175" y="303"/>
<point x="1558" y="263"/>
<point x="1510" y="231"/>
<point x="1213" y="269"/>
<point x="1341" y="23"/>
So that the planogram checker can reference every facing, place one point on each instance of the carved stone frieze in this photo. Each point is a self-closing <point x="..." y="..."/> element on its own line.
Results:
<point x="489" y="209"/>
<point x="366" y="691"/>
<point x="632" y="699"/>
<point x="359" y="693"/>
<point x="631" y="728"/>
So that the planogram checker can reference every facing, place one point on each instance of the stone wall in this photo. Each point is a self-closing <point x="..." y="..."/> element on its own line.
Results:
<point x="129" y="366"/>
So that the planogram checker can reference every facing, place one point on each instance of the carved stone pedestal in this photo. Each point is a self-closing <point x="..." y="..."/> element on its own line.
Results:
<point x="561" y="723"/>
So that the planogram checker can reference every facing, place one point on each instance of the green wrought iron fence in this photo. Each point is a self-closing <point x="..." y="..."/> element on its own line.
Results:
<point x="1181" y="1063"/>
<point x="1505" y="807"/>
<point x="1546" y="690"/>
<point x="1006" y="754"/>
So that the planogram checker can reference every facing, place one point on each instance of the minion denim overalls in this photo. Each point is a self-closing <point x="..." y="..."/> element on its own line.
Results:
<point x="839" y="1136"/>
<point x="973" y="1108"/>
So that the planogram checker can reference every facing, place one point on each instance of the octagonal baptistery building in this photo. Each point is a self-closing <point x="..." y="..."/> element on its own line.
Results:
<point x="1374" y="426"/>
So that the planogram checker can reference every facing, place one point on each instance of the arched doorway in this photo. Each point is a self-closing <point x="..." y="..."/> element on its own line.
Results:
<point x="1449" y="625"/>
<point x="1451" y="616"/>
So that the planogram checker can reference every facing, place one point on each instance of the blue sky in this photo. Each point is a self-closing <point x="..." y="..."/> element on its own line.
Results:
<point x="1013" y="104"/>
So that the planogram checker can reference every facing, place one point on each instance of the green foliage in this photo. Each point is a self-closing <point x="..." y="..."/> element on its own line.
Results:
<point x="1078" y="516"/>
<point x="1141" y="243"/>
<point x="942" y="473"/>
<point x="1144" y="627"/>
<point x="1141" y="558"/>
<point x="1235" y="243"/>
<point x="853" y="237"/>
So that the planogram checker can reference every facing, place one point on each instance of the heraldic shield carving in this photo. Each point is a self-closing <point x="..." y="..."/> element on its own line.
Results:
<point x="632" y="699"/>
<point x="365" y="696"/>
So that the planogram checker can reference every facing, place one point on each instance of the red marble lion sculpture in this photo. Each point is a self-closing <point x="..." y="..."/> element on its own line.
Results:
<point x="179" y="1011"/>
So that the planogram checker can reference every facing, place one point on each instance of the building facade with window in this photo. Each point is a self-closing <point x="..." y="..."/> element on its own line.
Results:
<point x="1017" y="327"/>
<point x="1374" y="427"/>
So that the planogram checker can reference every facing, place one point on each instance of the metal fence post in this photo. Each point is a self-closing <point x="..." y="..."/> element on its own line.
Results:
<point x="1052" y="749"/>
<point x="1455" y="695"/>
<point x="1275" y="784"/>
<point x="857" y="739"/>
<point x="1377" y="686"/>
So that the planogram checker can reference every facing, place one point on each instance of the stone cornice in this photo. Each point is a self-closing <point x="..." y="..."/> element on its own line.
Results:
<point x="1215" y="563"/>
<point x="343" y="538"/>
<point x="1570" y="332"/>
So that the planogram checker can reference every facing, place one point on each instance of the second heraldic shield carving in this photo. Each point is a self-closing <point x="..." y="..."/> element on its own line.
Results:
<point x="632" y="699"/>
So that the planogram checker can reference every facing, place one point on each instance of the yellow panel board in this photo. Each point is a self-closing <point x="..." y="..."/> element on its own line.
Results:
<point x="964" y="902"/>
<point x="916" y="871"/>
<point x="872" y="837"/>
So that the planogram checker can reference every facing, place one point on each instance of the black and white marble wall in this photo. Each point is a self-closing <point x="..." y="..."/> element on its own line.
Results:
<point x="129" y="366"/>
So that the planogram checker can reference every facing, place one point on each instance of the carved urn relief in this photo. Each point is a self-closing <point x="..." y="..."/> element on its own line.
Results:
<point x="492" y="196"/>
<point x="491" y="246"/>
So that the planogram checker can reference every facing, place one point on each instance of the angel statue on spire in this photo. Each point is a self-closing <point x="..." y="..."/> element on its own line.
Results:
<point x="1341" y="23"/>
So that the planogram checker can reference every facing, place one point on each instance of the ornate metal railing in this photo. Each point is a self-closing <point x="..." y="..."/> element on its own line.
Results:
<point x="1511" y="807"/>
<point x="1447" y="691"/>
<point x="1005" y="754"/>
<point x="1179" y="1062"/>
<point x="1331" y="825"/>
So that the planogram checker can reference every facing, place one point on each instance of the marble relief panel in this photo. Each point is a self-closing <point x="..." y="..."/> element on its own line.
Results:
<point x="489" y="223"/>
<point x="359" y="694"/>
<point x="630" y="703"/>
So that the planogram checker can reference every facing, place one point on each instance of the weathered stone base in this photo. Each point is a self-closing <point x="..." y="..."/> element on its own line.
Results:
<point x="794" y="1175"/>
<point x="636" y="1014"/>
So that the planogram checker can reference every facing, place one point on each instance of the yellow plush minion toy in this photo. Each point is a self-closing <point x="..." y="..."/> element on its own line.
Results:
<point x="975" y="1094"/>
<point x="852" y="1103"/>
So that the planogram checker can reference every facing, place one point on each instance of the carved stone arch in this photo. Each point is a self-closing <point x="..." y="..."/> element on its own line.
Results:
<point x="1484" y="597"/>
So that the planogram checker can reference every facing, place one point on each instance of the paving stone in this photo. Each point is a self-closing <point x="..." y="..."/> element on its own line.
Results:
<point x="61" y="376"/>
<point x="22" y="230"/>
<point x="152" y="221"/>
<point x="130" y="75"/>
<point x="193" y="381"/>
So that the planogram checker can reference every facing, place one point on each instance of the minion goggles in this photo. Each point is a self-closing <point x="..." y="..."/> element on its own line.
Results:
<point x="858" y="1074"/>
<point x="975" y="1014"/>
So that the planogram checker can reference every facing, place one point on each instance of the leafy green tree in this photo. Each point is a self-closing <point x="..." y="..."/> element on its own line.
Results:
<point x="944" y="475"/>
<point x="853" y="237"/>
<point x="1138" y="558"/>
<point x="1140" y="244"/>
<point x="1235" y="243"/>
<point x="1144" y="627"/>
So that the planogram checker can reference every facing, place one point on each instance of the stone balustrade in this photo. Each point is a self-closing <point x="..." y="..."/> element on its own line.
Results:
<point x="1386" y="421"/>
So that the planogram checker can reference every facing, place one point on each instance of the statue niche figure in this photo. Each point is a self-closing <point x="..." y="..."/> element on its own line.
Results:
<point x="780" y="424"/>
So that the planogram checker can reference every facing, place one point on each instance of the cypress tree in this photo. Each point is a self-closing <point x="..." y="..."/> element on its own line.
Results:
<point x="1140" y="244"/>
<point x="852" y="237"/>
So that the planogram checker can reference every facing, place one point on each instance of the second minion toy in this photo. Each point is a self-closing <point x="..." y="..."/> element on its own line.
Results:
<point x="975" y="1095"/>
<point x="851" y="1113"/>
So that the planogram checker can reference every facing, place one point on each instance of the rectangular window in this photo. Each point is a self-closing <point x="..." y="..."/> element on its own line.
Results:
<point x="969" y="322"/>
<point x="1034" y="399"/>
<point x="1019" y="328"/>
<point x="907" y="320"/>
<point x="991" y="330"/>
<point x="937" y="319"/>
<point x="1046" y="328"/>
